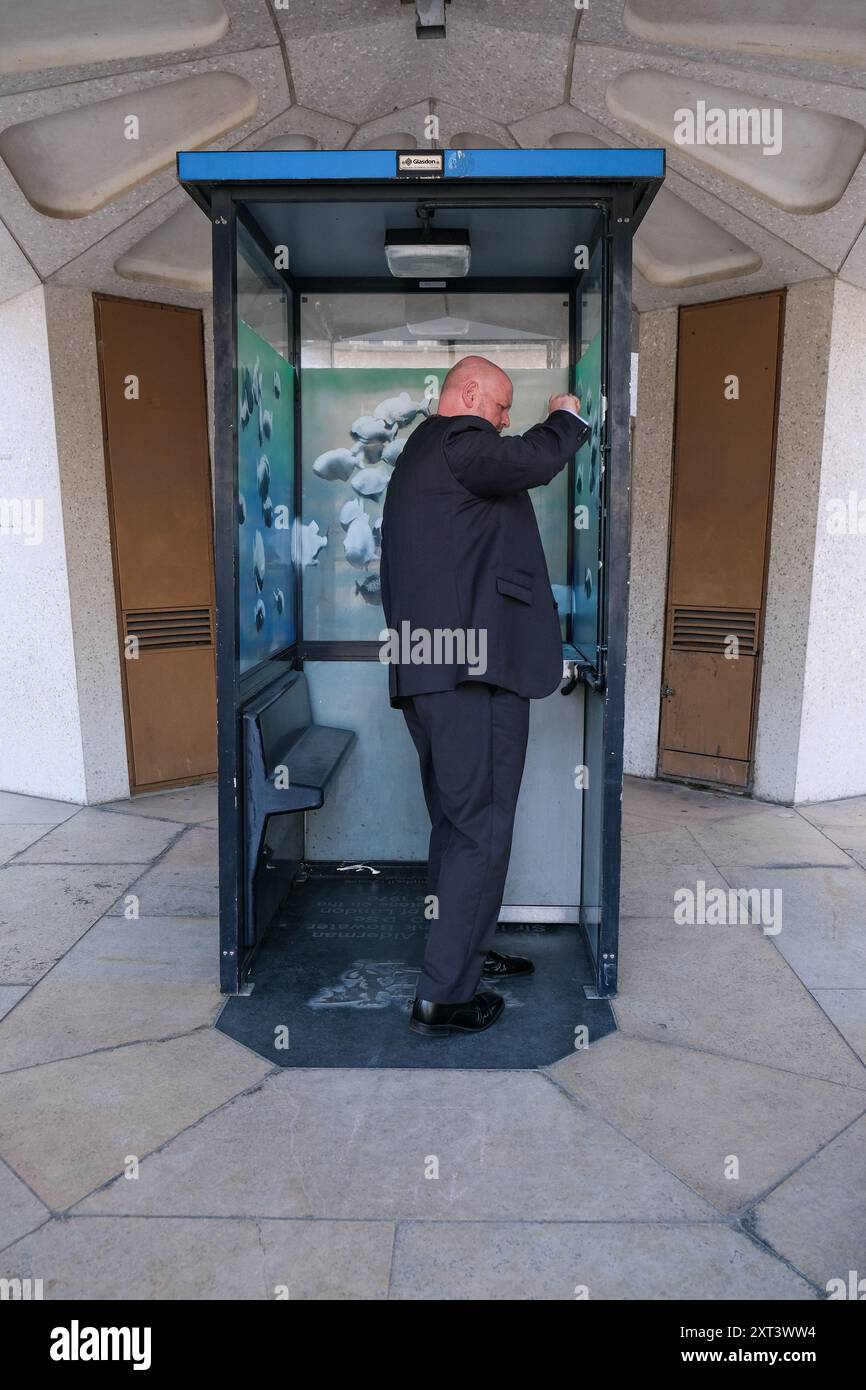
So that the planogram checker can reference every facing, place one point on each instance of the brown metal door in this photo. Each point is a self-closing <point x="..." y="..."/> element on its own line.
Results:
<point x="727" y="370"/>
<point x="158" y="468"/>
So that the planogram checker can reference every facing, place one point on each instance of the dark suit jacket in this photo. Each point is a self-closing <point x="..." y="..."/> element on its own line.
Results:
<point x="461" y="553"/>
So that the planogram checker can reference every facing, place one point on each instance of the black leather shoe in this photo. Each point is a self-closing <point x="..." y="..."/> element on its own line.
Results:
<point x="497" y="966"/>
<point x="438" y="1020"/>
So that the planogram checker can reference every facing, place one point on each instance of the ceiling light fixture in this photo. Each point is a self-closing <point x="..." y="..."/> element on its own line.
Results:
<point x="427" y="253"/>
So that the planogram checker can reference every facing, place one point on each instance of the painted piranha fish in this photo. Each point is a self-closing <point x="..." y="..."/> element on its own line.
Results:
<point x="335" y="465"/>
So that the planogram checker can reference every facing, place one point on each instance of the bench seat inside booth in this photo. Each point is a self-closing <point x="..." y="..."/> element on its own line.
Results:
<point x="288" y="764"/>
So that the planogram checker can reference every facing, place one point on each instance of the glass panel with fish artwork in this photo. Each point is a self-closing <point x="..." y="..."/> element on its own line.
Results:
<point x="588" y="485"/>
<point x="266" y="480"/>
<point x="355" y="421"/>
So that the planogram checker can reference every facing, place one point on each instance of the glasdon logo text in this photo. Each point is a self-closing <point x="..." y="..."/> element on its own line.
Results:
<point x="76" y="1343"/>
<point x="438" y="646"/>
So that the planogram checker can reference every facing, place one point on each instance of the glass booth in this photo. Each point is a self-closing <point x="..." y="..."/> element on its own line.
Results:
<point x="345" y="286"/>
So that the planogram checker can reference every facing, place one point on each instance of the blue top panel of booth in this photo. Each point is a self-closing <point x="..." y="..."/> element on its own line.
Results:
<point x="280" y="166"/>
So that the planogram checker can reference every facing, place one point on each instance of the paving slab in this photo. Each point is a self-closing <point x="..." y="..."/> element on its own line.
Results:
<point x="151" y="1259"/>
<point x="771" y="838"/>
<point x="847" y="1009"/>
<point x="190" y="804"/>
<point x="123" y="982"/>
<point x="327" y="1259"/>
<point x="665" y="845"/>
<point x="46" y="908"/>
<point x="335" y="1143"/>
<point x="165" y="892"/>
<point x="695" y="1112"/>
<point x="20" y="1210"/>
<point x="497" y="1260"/>
<point x="647" y="887"/>
<point x="640" y="822"/>
<point x="196" y="848"/>
<point x="643" y="796"/>
<point x="727" y="990"/>
<point x="67" y="1127"/>
<point x="817" y="1218"/>
<point x="10" y="995"/>
<point x="99" y="837"/>
<point x="843" y="822"/>
<point x="823" y="920"/>
<point x="15" y="838"/>
<point x="17" y="809"/>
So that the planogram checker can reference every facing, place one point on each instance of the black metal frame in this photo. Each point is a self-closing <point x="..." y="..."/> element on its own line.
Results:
<point x="614" y="199"/>
<point x="617" y="322"/>
<point x="229" y="736"/>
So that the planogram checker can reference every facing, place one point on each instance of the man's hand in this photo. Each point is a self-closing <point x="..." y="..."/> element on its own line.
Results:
<point x="565" y="402"/>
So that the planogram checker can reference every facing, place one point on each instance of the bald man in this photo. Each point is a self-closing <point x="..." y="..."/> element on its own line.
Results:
<point x="473" y="635"/>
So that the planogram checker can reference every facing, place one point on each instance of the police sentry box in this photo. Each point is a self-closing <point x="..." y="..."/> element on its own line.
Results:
<point x="346" y="283"/>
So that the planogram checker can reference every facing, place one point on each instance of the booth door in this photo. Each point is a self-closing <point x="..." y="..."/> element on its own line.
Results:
<point x="367" y="355"/>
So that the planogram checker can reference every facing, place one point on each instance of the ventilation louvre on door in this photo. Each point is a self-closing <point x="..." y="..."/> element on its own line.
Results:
<point x="170" y="627"/>
<point x="710" y="629"/>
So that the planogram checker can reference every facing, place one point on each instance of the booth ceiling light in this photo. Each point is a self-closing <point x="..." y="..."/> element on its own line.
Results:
<point x="442" y="254"/>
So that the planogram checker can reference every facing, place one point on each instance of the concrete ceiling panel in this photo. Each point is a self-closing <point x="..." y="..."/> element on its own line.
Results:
<point x="500" y="72"/>
<point x="55" y="34"/>
<point x="832" y="32"/>
<point x="471" y="140"/>
<point x="302" y="19"/>
<point x="781" y="263"/>
<point x="176" y="253"/>
<point x="391" y="140"/>
<point x="677" y="246"/>
<point x="326" y="132"/>
<point x="360" y="72"/>
<point x="16" y="272"/>
<point x="94" y="270"/>
<point x="74" y="162"/>
<point x="825" y="236"/>
<point x="410" y="119"/>
<point x="498" y="78"/>
<point x="854" y="265"/>
<point x="305" y="19"/>
<point x="799" y="159"/>
<point x="453" y="122"/>
<point x="51" y="242"/>
<point x="603" y="23"/>
<point x="250" y="27"/>
<point x="456" y="119"/>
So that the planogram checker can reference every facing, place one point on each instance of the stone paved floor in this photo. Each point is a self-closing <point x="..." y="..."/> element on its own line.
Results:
<point x="714" y="1147"/>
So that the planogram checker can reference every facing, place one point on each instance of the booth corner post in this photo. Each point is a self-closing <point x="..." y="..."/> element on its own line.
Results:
<point x="229" y="792"/>
<point x="275" y="197"/>
<point x="617" y="529"/>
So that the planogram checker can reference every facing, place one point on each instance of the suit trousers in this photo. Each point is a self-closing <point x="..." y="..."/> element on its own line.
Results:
<point x="471" y="744"/>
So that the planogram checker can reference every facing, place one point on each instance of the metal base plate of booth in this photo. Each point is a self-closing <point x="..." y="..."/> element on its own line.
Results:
<point x="336" y="975"/>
